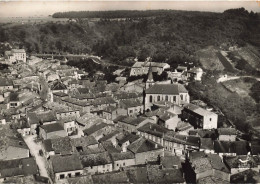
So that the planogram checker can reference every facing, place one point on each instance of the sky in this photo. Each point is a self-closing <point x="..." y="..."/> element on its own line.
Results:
<point x="9" y="8"/>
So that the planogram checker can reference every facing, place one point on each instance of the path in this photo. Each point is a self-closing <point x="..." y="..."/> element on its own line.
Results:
<point x="34" y="150"/>
<point x="223" y="79"/>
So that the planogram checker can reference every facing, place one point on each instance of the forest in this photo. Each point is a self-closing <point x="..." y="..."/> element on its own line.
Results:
<point x="169" y="36"/>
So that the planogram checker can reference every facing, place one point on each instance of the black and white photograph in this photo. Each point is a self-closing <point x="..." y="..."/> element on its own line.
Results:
<point x="129" y="92"/>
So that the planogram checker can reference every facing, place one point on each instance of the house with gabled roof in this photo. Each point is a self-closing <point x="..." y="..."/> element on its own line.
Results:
<point x="133" y="107"/>
<point x="124" y="140"/>
<point x="66" y="166"/>
<point x="6" y="84"/>
<point x="145" y="150"/>
<point x="58" y="86"/>
<point x="111" y="177"/>
<point x="131" y="124"/>
<point x="175" y="93"/>
<point x="97" y="163"/>
<point x="227" y="134"/>
<point x="199" y="117"/>
<point x="98" y="130"/>
<point x="51" y="131"/>
<point x="82" y="143"/>
<point x="142" y="68"/>
<point x="111" y="112"/>
<point x="17" y="168"/>
<point x="123" y="159"/>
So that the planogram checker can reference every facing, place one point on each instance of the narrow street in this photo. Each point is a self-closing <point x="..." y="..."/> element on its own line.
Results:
<point x="34" y="150"/>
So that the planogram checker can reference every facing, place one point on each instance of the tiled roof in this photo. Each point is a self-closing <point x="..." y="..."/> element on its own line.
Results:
<point x="206" y="143"/>
<point x="110" y="109"/>
<point x="137" y="174"/>
<point x="170" y="89"/>
<point x="122" y="156"/>
<point x="133" y="120"/>
<point x="103" y="100"/>
<point x="5" y="82"/>
<point x="130" y="103"/>
<point x="199" y="110"/>
<point x="52" y="127"/>
<point x="108" y="136"/>
<point x="58" y="86"/>
<point x="60" y="145"/>
<point x="65" y="163"/>
<point x="94" y="128"/>
<point x="109" y="147"/>
<point x="227" y="131"/>
<point x="153" y="129"/>
<point x="14" y="97"/>
<point x="84" y="141"/>
<point x="170" y="161"/>
<point x="128" y="137"/>
<point x="95" y="159"/>
<point x="143" y="145"/>
<point x="148" y="64"/>
<point x="238" y="147"/>
<point x="111" y="177"/>
<point x="18" y="167"/>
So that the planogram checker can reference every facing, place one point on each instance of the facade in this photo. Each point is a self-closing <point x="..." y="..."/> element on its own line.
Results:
<point x="142" y="68"/>
<point x="227" y="134"/>
<point x="199" y="117"/>
<point x="174" y="93"/>
<point x="50" y="131"/>
<point x="121" y="160"/>
<point x="15" y="55"/>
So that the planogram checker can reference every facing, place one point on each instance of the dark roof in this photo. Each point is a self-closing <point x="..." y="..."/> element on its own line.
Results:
<point x="94" y="128"/>
<point x="81" y="180"/>
<point x="143" y="145"/>
<point x="111" y="177"/>
<point x="255" y="147"/>
<point x="133" y="120"/>
<point x="103" y="100"/>
<point x="171" y="89"/>
<point x="84" y="141"/>
<point x="128" y="137"/>
<point x="170" y="161"/>
<point x="153" y="129"/>
<point x="58" y="86"/>
<point x="95" y="159"/>
<point x="238" y="147"/>
<point x="109" y="147"/>
<point x="65" y="163"/>
<point x="122" y="156"/>
<point x="16" y="142"/>
<point x="130" y="103"/>
<point x="108" y="136"/>
<point x="60" y="145"/>
<point x="14" y="97"/>
<point x="164" y="176"/>
<point x="227" y="131"/>
<point x="110" y="109"/>
<point x="206" y="143"/>
<point x="5" y="82"/>
<point x="234" y="162"/>
<point x="16" y="167"/>
<point x="53" y="127"/>
<point x="137" y="174"/>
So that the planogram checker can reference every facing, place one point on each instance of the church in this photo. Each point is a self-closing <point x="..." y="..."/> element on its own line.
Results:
<point x="155" y="92"/>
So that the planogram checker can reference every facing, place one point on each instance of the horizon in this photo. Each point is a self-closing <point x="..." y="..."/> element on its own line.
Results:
<point x="46" y="8"/>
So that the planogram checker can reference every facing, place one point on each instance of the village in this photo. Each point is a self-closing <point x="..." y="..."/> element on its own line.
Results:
<point x="59" y="125"/>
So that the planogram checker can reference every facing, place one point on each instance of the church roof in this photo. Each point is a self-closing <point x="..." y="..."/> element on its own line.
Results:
<point x="171" y="89"/>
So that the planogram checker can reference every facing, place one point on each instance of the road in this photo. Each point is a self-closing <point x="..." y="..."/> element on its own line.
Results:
<point x="34" y="150"/>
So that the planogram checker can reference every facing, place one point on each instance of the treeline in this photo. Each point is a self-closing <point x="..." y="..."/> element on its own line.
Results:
<point x="173" y="38"/>
<point x="112" y="14"/>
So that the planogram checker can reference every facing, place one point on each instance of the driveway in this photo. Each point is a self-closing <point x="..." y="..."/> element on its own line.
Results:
<point x="34" y="150"/>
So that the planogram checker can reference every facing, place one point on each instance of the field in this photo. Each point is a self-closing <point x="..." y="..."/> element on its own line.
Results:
<point x="225" y="62"/>
<point x="209" y="60"/>
<point x="251" y="55"/>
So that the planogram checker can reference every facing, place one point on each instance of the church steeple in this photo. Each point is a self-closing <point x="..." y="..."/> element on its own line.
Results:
<point x="150" y="80"/>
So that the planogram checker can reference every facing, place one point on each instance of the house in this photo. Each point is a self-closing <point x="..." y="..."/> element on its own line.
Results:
<point x="110" y="137"/>
<point x="255" y="147"/>
<point x="6" y="84"/>
<point x="125" y="140"/>
<point x="153" y="132"/>
<point x="51" y="131"/>
<point x="227" y="134"/>
<point x="66" y="166"/>
<point x="13" y="148"/>
<point x="101" y="103"/>
<point x="17" y="168"/>
<point x="69" y="125"/>
<point x="164" y="175"/>
<point x="110" y="147"/>
<point x="131" y="124"/>
<point x="199" y="117"/>
<point x="175" y="93"/>
<point x="98" y="130"/>
<point x="206" y="165"/>
<point x="15" y="55"/>
<point x="61" y="114"/>
<point x="57" y="146"/>
<point x="137" y="174"/>
<point x="173" y="162"/>
<point x="111" y="112"/>
<point x="123" y="159"/>
<point x="132" y="87"/>
<point x="195" y="73"/>
<point x="237" y="164"/>
<point x="79" y="180"/>
<point x="168" y="120"/>
<point x="133" y="107"/>
<point x="111" y="177"/>
<point x="207" y="145"/>
<point x="14" y="100"/>
<point x="142" y="68"/>
<point x="58" y="86"/>
<point x="97" y="163"/>
<point x="82" y="143"/>
<point x="145" y="150"/>
<point x="228" y="148"/>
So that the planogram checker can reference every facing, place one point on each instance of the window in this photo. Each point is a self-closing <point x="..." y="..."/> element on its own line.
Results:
<point x="174" y="98"/>
<point x="158" y="98"/>
<point x="166" y="98"/>
<point x="181" y="97"/>
<point x="151" y="98"/>
<point x="209" y="119"/>
<point x="124" y="164"/>
<point x="69" y="175"/>
<point x="130" y="111"/>
<point x="77" y="174"/>
<point x="62" y="176"/>
<point x="103" y="166"/>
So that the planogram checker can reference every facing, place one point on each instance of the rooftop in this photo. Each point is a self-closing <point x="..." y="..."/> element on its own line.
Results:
<point x="52" y="127"/>
<point x="65" y="163"/>
<point x="95" y="159"/>
<point x="143" y="145"/>
<point x="170" y="89"/>
<point x="199" y="110"/>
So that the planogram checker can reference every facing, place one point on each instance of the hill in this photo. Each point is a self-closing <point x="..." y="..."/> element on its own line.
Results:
<point x="171" y="36"/>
